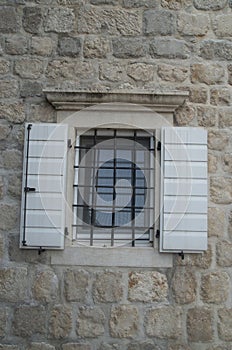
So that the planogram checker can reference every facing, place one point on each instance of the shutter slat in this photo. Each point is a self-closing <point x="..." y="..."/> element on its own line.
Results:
<point x="43" y="208"/>
<point x="184" y="190"/>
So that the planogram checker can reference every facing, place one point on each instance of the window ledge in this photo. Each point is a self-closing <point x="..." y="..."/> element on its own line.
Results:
<point x="159" y="101"/>
<point x="104" y="257"/>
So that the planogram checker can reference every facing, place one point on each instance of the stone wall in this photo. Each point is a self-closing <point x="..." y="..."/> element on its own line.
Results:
<point x="150" y="44"/>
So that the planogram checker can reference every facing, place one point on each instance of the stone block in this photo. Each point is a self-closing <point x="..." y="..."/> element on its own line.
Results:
<point x="216" y="222"/>
<point x="184" y="114"/>
<point x="194" y="25"/>
<point x="140" y="3"/>
<point x="8" y="215"/>
<point x="213" y="162"/>
<point x="221" y="96"/>
<point x="109" y="21"/>
<point x="76" y="285"/>
<point x="105" y="346"/>
<point x="230" y="74"/>
<point x="16" y="45"/>
<point x="207" y="73"/>
<point x="198" y="94"/>
<point x="29" y="68"/>
<point x="5" y="130"/>
<point x="203" y="261"/>
<point x="124" y="321"/>
<point x="159" y="22"/>
<point x="4" y="66"/>
<point x="221" y="190"/>
<point x="179" y="346"/>
<point x="60" y="323"/>
<point x="225" y="324"/>
<point x="71" y="69"/>
<point x="8" y="347"/>
<point x="206" y="116"/>
<point x="4" y="314"/>
<point x="69" y="47"/>
<point x="163" y="322"/>
<point x="215" y="287"/>
<point x="97" y="47"/>
<point x="200" y="325"/>
<point x="29" y="320"/>
<point x="43" y="112"/>
<point x="76" y="346"/>
<point x="45" y="286"/>
<point x="230" y="224"/>
<point x="32" y="19"/>
<point x="40" y="346"/>
<point x="173" y="74"/>
<point x="128" y="47"/>
<point x="60" y="20"/>
<point x="9" y="88"/>
<point x="2" y="247"/>
<point x="103" y="2"/>
<point x="12" y="112"/>
<point x="147" y="286"/>
<point x="9" y="20"/>
<point x="144" y="345"/>
<point x="108" y="287"/>
<point x="141" y="71"/>
<point x="30" y="89"/>
<point x="42" y="46"/>
<point x="224" y="253"/>
<point x="216" y="49"/>
<point x="218" y="140"/>
<point x="174" y="4"/>
<point x="222" y="26"/>
<point x="168" y="48"/>
<point x="184" y="286"/>
<point x="112" y="72"/>
<point x="225" y="120"/>
<point x="227" y="163"/>
<point x="12" y="159"/>
<point x="208" y="5"/>
<point x="90" y="322"/>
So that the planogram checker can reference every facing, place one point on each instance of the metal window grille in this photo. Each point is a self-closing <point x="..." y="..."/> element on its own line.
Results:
<point x="114" y="188"/>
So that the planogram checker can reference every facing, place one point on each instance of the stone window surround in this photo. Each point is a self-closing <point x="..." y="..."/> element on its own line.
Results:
<point x="158" y="110"/>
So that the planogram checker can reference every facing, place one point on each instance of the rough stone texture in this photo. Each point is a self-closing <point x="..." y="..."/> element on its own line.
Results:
<point x="223" y="26"/>
<point x="76" y="285"/>
<point x="184" y="286"/>
<point x="9" y="88"/>
<point x="202" y="261"/>
<point x="189" y="24"/>
<point x="168" y="48"/>
<point x="3" y="321"/>
<point x="139" y="3"/>
<point x="128" y="48"/>
<point x="230" y="74"/>
<point x="76" y="346"/>
<point x="8" y="347"/>
<point x="90" y="322"/>
<point x="141" y="72"/>
<point x="42" y="46"/>
<point x="227" y="163"/>
<point x="9" y="20"/>
<point x="108" y="287"/>
<point x="218" y="140"/>
<point x="60" y="323"/>
<point x="29" y="68"/>
<point x="221" y="190"/>
<point x="29" y="320"/>
<point x="32" y="19"/>
<point x="225" y="324"/>
<point x="198" y="94"/>
<point x="12" y="112"/>
<point x="173" y="4"/>
<point x="16" y="45"/>
<point x="224" y="253"/>
<point x="209" y="5"/>
<point x="71" y="69"/>
<point x="40" y="346"/>
<point x="69" y="47"/>
<point x="41" y="112"/>
<point x="230" y="225"/>
<point x="4" y="66"/>
<point x="4" y="132"/>
<point x="146" y="345"/>
<point x="96" y="47"/>
<point x="124" y="321"/>
<point x="225" y="120"/>
<point x="30" y="88"/>
<point x="172" y="73"/>
<point x="60" y="20"/>
<point x="8" y="216"/>
<point x="216" y="49"/>
<point x="215" y="287"/>
<point x="216" y="222"/>
<point x="114" y="72"/>
<point x="45" y="287"/>
<point x="209" y="74"/>
<point x="206" y="116"/>
<point x="12" y="159"/>
<point x="2" y="247"/>
<point x="199" y="325"/>
<point x="147" y="286"/>
<point x="111" y="21"/>
<point x="163" y="323"/>
<point x="184" y="115"/>
<point x="221" y="96"/>
<point x="159" y="22"/>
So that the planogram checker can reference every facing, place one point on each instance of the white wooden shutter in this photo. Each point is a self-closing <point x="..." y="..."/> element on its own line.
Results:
<point x="44" y="184"/>
<point x="183" y="220"/>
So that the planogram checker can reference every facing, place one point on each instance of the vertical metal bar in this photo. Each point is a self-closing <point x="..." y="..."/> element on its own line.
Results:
<point x="114" y="191"/>
<point x="93" y="189"/>
<point x="25" y="185"/>
<point x="133" y="190"/>
<point x="76" y="170"/>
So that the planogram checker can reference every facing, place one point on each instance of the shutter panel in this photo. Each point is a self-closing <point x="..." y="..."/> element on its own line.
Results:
<point x="183" y="220"/>
<point x="44" y="183"/>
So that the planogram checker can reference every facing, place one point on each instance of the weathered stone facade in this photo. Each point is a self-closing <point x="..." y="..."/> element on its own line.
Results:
<point x="94" y="44"/>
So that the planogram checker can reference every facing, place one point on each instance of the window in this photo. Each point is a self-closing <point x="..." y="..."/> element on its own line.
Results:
<point x="114" y="188"/>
